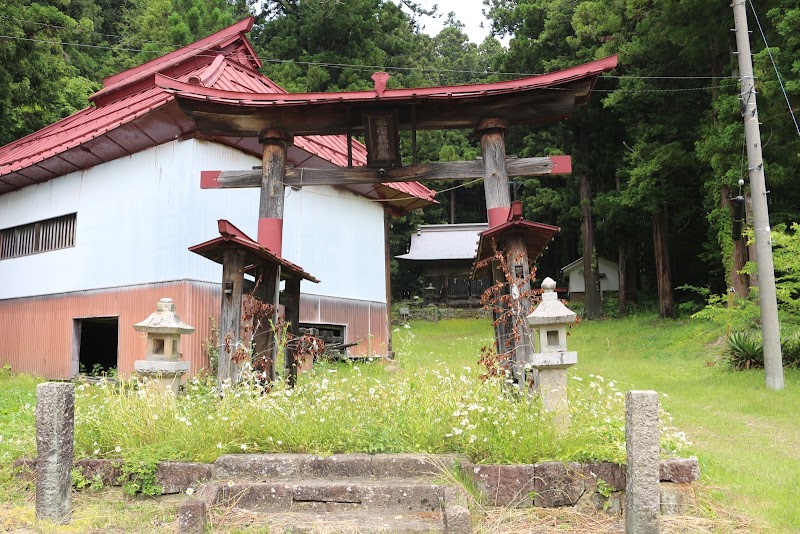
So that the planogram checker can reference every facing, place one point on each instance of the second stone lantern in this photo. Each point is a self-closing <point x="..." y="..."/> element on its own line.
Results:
<point x="550" y="321"/>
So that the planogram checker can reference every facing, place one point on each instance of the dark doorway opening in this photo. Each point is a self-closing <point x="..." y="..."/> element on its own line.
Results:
<point x="97" y="343"/>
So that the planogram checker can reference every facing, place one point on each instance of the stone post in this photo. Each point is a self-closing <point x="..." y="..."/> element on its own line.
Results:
<point x="55" y="418"/>
<point x="642" y="491"/>
<point x="192" y="517"/>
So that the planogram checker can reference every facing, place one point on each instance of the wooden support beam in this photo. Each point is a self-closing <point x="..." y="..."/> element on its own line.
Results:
<point x="495" y="173"/>
<point x="514" y="246"/>
<point x="453" y="170"/>
<point x="230" y="319"/>
<point x="271" y="178"/>
<point x="516" y="254"/>
<point x="265" y="341"/>
<point x="292" y="291"/>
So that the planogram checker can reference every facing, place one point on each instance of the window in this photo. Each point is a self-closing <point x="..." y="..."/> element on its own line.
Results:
<point x="42" y="236"/>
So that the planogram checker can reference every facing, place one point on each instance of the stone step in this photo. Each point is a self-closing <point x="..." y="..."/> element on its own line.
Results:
<point x="304" y="522"/>
<point x="416" y="506"/>
<point x="287" y="466"/>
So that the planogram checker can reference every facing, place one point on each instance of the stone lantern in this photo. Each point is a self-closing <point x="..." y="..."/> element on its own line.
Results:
<point x="162" y="364"/>
<point x="549" y="321"/>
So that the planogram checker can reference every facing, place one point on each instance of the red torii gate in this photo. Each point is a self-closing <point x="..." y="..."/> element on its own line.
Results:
<point x="380" y="114"/>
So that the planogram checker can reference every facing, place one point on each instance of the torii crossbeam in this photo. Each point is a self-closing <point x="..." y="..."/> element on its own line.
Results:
<point x="380" y="114"/>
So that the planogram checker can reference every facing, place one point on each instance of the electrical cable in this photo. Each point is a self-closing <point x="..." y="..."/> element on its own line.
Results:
<point x="311" y="63"/>
<point x="775" y="66"/>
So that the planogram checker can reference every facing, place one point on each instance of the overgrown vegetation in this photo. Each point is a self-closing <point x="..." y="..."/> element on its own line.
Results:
<point x="344" y="408"/>
<point x="725" y="415"/>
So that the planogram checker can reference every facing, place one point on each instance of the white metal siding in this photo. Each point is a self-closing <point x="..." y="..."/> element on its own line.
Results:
<point x="138" y="215"/>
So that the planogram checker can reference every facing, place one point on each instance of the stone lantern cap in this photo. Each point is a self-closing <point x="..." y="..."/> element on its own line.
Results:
<point x="164" y="320"/>
<point x="550" y="310"/>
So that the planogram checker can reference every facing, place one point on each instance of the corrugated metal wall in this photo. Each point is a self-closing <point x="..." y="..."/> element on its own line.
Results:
<point x="365" y="321"/>
<point x="37" y="334"/>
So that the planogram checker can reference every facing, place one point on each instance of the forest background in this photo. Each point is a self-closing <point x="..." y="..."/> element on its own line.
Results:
<point x="657" y="153"/>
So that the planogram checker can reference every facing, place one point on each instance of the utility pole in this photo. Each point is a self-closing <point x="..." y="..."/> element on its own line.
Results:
<point x="770" y="327"/>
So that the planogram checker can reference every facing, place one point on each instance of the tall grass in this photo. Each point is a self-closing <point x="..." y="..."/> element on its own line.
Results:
<point x="352" y="408"/>
<point x="744" y="435"/>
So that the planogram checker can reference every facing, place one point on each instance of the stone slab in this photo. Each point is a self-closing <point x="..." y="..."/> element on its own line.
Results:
<point x="177" y="477"/>
<point x="612" y="474"/>
<point x="558" y="484"/>
<point x="341" y="466"/>
<point x="505" y="485"/>
<point x="262" y="466"/>
<point x="25" y="469"/>
<point x="402" y="497"/>
<point x="412" y="465"/>
<point x="165" y="367"/>
<point x="327" y="491"/>
<point x="210" y="493"/>
<point x="258" y="496"/>
<point x="107" y="472"/>
<point x="457" y="520"/>
<point x="681" y="470"/>
<point x="678" y="498"/>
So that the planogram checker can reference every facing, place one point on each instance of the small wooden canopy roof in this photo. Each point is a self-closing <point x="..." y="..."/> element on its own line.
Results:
<point x="536" y="99"/>
<point x="233" y="238"/>
<point x="537" y="236"/>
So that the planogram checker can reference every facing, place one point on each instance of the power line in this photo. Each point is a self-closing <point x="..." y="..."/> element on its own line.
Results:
<point x="775" y="66"/>
<point x="383" y="67"/>
<point x="312" y="63"/>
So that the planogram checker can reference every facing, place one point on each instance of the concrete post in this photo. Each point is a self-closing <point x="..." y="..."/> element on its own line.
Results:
<point x="55" y="418"/>
<point x="642" y="490"/>
<point x="770" y="325"/>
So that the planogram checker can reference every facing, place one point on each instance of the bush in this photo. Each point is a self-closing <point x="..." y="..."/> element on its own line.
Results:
<point x="744" y="350"/>
<point x="790" y="347"/>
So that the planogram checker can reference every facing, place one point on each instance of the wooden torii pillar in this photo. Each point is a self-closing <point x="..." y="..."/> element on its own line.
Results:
<point x="270" y="235"/>
<point x="515" y="337"/>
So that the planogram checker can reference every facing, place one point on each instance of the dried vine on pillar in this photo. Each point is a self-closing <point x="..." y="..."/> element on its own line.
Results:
<point x="506" y="298"/>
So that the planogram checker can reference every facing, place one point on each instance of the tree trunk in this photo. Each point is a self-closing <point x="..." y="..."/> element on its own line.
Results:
<point x="623" y="278"/>
<point x="592" y="305"/>
<point x="739" y="282"/>
<point x="666" y="304"/>
<point x="632" y="274"/>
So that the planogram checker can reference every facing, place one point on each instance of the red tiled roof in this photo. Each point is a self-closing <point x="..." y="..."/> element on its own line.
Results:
<point x="131" y="114"/>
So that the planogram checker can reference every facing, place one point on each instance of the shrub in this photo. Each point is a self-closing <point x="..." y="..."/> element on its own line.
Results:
<point x="790" y="347"/>
<point x="744" y="350"/>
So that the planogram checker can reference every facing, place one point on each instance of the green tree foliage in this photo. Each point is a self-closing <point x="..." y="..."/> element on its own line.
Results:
<point x="659" y="145"/>
<point x="156" y="27"/>
<point x="42" y="80"/>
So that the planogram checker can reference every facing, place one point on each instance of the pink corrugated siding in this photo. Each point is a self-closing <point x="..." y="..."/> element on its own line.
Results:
<point x="365" y="321"/>
<point x="37" y="333"/>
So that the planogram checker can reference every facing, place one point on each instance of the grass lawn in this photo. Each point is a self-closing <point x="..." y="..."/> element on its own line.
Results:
<point x="745" y="437"/>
